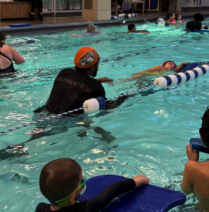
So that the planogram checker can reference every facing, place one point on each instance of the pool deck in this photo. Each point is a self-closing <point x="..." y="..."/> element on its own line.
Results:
<point x="55" y="24"/>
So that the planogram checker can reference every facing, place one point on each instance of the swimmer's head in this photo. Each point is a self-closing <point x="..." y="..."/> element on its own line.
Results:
<point x="198" y="18"/>
<point x="131" y="27"/>
<point x="204" y="130"/>
<point x="170" y="16"/>
<point x="60" y="182"/>
<point x="169" y="65"/>
<point x="178" y="16"/>
<point x="87" y="61"/>
<point x="91" y="29"/>
<point x="2" y="39"/>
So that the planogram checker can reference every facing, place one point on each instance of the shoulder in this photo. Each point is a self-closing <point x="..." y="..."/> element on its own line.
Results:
<point x="189" y="22"/>
<point x="66" y="70"/>
<point x="6" y="48"/>
<point x="192" y="165"/>
<point x="96" y="83"/>
<point x="43" y="207"/>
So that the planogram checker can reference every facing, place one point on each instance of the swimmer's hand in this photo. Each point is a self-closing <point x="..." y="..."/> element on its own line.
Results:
<point x="192" y="155"/>
<point x="104" y="79"/>
<point x="180" y="66"/>
<point x="140" y="180"/>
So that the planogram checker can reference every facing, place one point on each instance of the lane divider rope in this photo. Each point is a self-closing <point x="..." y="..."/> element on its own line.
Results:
<point x="75" y="110"/>
<point x="64" y="64"/>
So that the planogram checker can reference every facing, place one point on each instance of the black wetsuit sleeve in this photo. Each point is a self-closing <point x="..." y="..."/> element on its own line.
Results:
<point x="103" y="199"/>
<point x="116" y="103"/>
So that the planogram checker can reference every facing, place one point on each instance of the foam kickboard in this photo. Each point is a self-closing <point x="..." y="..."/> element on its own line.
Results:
<point x="198" y="145"/>
<point x="146" y="198"/>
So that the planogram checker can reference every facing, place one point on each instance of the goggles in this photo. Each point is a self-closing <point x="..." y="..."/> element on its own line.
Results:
<point x="66" y="199"/>
<point x="169" y="63"/>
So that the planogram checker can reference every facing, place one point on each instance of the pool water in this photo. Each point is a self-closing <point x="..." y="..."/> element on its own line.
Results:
<point x="148" y="133"/>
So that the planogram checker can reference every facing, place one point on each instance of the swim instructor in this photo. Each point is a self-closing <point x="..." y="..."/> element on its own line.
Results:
<point x="72" y="87"/>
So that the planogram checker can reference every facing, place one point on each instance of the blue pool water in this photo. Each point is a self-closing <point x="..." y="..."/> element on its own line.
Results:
<point x="148" y="132"/>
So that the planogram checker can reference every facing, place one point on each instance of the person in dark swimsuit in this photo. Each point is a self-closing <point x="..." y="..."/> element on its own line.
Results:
<point x="62" y="183"/>
<point x="196" y="24"/>
<point x="7" y="55"/>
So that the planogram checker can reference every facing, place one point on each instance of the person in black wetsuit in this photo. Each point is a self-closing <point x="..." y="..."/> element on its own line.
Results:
<point x="7" y="55"/>
<point x="72" y="87"/>
<point x="62" y="183"/>
<point x="196" y="24"/>
<point x="34" y="4"/>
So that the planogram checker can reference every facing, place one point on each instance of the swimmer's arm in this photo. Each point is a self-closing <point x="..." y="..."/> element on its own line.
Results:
<point x="107" y="195"/>
<point x="141" y="74"/>
<point x="180" y="66"/>
<point x="187" y="182"/>
<point x="104" y="79"/>
<point x="141" y="31"/>
<point x="16" y="57"/>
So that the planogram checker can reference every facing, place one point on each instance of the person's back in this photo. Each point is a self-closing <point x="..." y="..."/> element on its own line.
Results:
<point x="196" y="174"/>
<point x="71" y="88"/>
<point x="7" y="55"/>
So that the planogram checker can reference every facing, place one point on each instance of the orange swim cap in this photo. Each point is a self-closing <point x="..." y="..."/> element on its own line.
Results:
<point x="86" y="57"/>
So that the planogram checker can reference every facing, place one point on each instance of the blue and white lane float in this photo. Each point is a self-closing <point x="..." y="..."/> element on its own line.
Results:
<point x="123" y="15"/>
<point x="95" y="104"/>
<point x="181" y="77"/>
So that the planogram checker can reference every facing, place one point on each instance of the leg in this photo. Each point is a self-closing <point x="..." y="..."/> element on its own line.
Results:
<point x="33" y="6"/>
<point x="40" y="6"/>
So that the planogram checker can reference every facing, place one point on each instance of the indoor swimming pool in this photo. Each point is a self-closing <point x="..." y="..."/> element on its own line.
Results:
<point x="146" y="135"/>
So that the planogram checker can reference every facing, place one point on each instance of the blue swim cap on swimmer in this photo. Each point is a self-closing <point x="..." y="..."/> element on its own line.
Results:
<point x="162" y="20"/>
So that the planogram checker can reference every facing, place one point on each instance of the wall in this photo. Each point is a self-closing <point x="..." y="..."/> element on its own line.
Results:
<point x="175" y="5"/>
<point x="190" y="3"/>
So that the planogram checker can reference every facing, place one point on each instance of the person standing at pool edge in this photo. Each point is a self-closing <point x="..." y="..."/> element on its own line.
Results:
<point x="196" y="24"/>
<point x="196" y="174"/>
<point x="7" y="55"/>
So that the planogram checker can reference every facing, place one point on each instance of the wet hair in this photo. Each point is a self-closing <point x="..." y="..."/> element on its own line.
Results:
<point x="131" y="26"/>
<point x="199" y="17"/>
<point x="59" y="178"/>
<point x="91" y="28"/>
<point x="168" y="15"/>
<point x="2" y="37"/>
<point x="204" y="130"/>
